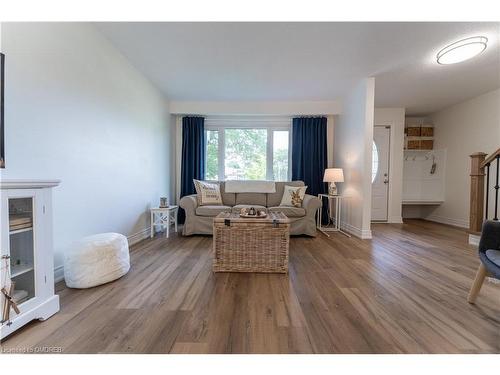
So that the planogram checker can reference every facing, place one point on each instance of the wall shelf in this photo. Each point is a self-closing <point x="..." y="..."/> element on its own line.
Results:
<point x="422" y="203"/>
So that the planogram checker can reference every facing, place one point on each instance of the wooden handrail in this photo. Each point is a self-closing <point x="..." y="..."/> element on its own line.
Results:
<point x="490" y="158"/>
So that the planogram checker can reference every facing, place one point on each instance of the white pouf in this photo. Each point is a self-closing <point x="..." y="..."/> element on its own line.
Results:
<point x="96" y="260"/>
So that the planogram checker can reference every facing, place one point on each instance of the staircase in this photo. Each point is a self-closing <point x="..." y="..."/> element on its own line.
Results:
<point x="483" y="167"/>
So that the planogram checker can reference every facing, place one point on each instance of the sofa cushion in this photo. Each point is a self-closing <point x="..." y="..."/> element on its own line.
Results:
<point x="251" y="199"/>
<point x="289" y="211"/>
<point x="238" y="207"/>
<point x="274" y="199"/>
<point x="211" y="210"/>
<point x="228" y="199"/>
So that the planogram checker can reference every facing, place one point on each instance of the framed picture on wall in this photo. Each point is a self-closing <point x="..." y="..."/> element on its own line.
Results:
<point x="2" y="123"/>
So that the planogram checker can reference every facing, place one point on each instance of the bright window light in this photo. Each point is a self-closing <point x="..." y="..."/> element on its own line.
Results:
<point x="462" y="50"/>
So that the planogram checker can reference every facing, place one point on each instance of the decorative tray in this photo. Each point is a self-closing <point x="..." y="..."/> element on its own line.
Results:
<point x="258" y="215"/>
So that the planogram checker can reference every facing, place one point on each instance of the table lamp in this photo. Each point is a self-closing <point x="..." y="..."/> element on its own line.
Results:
<point x="333" y="175"/>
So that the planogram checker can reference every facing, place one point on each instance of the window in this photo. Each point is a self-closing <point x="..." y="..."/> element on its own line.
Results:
<point x="212" y="156"/>
<point x="374" y="161"/>
<point x="280" y="155"/>
<point x="244" y="150"/>
<point x="245" y="154"/>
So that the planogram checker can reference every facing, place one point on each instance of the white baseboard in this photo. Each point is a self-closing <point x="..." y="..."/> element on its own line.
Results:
<point x="365" y="234"/>
<point x="132" y="240"/>
<point x="448" y="220"/>
<point x="395" y="220"/>
<point x="58" y="273"/>
<point x="139" y="236"/>
<point x="473" y="239"/>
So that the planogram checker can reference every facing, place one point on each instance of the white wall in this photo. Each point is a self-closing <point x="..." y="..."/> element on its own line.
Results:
<point x="353" y="152"/>
<point x="76" y="110"/>
<point x="463" y="129"/>
<point x="395" y="118"/>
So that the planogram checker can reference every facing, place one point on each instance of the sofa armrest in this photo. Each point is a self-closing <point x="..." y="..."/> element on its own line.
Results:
<point x="311" y="204"/>
<point x="189" y="203"/>
<point x="490" y="236"/>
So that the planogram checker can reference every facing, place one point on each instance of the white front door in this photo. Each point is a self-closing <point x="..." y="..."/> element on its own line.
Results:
<point x="380" y="172"/>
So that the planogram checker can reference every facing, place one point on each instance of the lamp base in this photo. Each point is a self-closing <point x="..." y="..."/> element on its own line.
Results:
<point x="332" y="189"/>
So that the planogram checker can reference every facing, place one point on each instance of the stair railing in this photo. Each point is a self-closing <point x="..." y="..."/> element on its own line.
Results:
<point x="480" y="194"/>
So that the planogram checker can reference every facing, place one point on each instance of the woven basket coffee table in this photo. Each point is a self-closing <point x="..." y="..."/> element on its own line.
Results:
<point x="251" y="244"/>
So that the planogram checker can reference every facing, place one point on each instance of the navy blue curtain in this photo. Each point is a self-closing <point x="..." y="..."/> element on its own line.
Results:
<point x="309" y="154"/>
<point x="193" y="156"/>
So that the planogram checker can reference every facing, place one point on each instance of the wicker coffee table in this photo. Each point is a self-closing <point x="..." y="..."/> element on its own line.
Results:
<point x="251" y="244"/>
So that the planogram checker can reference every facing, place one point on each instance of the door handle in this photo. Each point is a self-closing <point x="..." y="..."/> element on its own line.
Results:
<point x="386" y="181"/>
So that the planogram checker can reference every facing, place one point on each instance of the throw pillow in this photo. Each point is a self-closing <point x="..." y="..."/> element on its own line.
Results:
<point x="293" y="196"/>
<point x="207" y="194"/>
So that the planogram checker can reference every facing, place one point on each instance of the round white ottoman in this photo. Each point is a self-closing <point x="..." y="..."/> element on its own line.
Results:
<point x="96" y="260"/>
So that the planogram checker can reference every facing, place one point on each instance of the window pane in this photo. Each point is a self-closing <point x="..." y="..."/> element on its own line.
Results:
<point x="280" y="155"/>
<point x="245" y="154"/>
<point x="212" y="160"/>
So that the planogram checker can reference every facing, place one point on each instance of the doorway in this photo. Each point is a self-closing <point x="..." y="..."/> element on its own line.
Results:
<point x="380" y="172"/>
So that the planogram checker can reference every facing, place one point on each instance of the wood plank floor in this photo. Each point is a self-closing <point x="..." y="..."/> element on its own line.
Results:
<point x="402" y="292"/>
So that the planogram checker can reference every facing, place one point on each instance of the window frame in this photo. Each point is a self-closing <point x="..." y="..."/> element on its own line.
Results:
<point x="220" y="124"/>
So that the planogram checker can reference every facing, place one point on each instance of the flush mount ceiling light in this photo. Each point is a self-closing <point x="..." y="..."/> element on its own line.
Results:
<point x="462" y="50"/>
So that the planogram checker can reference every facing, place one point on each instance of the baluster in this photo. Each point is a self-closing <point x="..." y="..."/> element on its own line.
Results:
<point x="496" y="190"/>
<point x="487" y="190"/>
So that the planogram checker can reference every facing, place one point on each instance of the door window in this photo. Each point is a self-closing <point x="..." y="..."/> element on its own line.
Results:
<point x="375" y="161"/>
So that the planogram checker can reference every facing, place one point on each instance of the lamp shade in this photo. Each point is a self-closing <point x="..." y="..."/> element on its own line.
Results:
<point x="333" y="175"/>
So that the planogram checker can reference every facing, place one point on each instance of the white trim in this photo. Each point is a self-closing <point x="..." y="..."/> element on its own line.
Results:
<point x="395" y="220"/>
<point x="132" y="240"/>
<point x="58" y="273"/>
<point x="365" y="234"/>
<point x="28" y="184"/>
<point x="139" y="236"/>
<point x="269" y="123"/>
<point x="257" y="108"/>
<point x="448" y="220"/>
<point x="270" y="154"/>
<point x="474" y="239"/>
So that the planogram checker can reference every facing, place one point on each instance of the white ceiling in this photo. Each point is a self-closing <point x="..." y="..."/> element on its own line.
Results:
<point x="309" y="61"/>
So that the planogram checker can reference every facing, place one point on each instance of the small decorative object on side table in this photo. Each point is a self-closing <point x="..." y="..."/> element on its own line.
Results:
<point x="163" y="202"/>
<point x="164" y="217"/>
<point x="338" y="209"/>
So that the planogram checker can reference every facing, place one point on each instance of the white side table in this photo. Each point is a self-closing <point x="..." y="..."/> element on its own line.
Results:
<point x="338" y="209"/>
<point x="164" y="217"/>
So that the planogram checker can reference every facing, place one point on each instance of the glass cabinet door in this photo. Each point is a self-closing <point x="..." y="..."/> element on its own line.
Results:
<point x="21" y="248"/>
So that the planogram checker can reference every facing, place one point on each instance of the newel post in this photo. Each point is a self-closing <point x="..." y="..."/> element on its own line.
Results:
<point x="477" y="174"/>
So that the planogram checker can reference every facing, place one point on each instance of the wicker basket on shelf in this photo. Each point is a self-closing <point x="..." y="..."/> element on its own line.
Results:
<point x="251" y="245"/>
